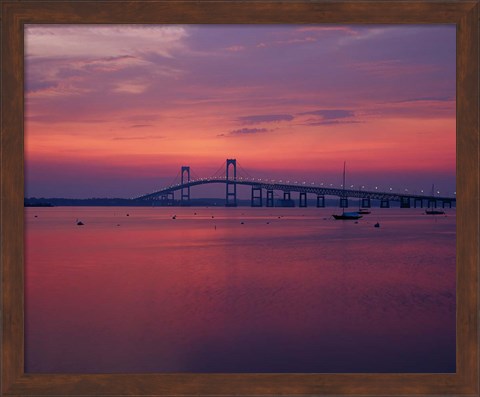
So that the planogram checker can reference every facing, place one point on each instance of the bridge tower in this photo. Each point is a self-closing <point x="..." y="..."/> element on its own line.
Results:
<point x="231" y="184"/>
<point x="185" y="193"/>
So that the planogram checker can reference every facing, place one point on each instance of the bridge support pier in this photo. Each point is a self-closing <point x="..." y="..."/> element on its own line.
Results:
<point x="302" y="202"/>
<point x="287" y="200"/>
<point x="404" y="202"/>
<point x="384" y="203"/>
<point x="366" y="202"/>
<point x="185" y="192"/>
<point x="168" y="199"/>
<point x="163" y="200"/>
<point x="446" y="202"/>
<point x="231" y="184"/>
<point x="270" y="198"/>
<point x="343" y="202"/>
<point x="432" y="203"/>
<point x="320" y="201"/>
<point x="417" y="200"/>
<point x="257" y="200"/>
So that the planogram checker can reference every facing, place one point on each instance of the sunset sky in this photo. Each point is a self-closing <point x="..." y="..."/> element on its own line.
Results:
<point x="115" y="111"/>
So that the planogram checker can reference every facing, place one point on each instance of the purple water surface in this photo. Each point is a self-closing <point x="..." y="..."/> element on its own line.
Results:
<point x="289" y="290"/>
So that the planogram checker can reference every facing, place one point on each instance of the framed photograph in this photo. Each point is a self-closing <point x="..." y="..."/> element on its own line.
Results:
<point x="239" y="198"/>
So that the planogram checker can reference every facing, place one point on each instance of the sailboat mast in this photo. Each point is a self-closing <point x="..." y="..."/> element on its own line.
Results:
<point x="344" y="163"/>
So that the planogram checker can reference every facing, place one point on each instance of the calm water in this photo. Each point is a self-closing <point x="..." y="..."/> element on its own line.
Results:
<point x="289" y="290"/>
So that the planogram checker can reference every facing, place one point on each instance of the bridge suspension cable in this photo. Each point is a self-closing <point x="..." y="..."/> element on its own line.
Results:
<point x="244" y="170"/>
<point x="176" y="179"/>
<point x="194" y="174"/>
<point x="220" y="172"/>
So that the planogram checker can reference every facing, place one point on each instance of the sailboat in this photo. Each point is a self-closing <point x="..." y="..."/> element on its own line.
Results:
<point x="346" y="215"/>
<point x="434" y="211"/>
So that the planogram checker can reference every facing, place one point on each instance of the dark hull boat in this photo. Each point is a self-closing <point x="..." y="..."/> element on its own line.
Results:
<point x="348" y="216"/>
<point x="434" y="212"/>
<point x="363" y="211"/>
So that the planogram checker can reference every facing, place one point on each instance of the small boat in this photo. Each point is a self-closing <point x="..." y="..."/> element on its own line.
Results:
<point x="434" y="212"/>
<point x="363" y="211"/>
<point x="376" y="225"/>
<point x="348" y="216"/>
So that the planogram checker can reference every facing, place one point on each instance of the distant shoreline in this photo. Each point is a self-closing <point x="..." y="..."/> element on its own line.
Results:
<point x="116" y="202"/>
<point x="205" y="202"/>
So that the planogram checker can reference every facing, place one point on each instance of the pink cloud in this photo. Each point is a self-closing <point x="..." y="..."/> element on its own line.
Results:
<point x="389" y="68"/>
<point x="326" y="29"/>
<point x="235" y="48"/>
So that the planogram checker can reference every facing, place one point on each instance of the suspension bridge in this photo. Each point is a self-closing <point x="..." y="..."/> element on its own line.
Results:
<point x="166" y="195"/>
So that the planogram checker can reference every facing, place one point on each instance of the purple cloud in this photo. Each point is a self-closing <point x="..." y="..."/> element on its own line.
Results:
<point x="131" y="138"/>
<point x="428" y="99"/>
<point x="330" y="122"/>
<point x="140" y="126"/>
<point x="33" y="86"/>
<point x="330" y="117"/>
<point x="247" y="131"/>
<point x="265" y="118"/>
<point x="331" y="114"/>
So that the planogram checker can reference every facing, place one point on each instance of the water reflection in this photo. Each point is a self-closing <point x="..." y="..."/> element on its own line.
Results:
<point x="285" y="291"/>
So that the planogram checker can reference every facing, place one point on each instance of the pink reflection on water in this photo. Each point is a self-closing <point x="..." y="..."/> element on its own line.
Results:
<point x="298" y="293"/>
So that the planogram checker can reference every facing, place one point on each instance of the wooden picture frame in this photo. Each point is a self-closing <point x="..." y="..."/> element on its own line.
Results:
<point x="15" y="14"/>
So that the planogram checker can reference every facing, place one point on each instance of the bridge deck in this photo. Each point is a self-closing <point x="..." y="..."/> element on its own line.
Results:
<point x="300" y="188"/>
